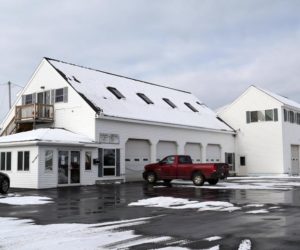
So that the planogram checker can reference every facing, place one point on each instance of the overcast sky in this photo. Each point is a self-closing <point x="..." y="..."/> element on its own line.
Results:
<point x="213" y="48"/>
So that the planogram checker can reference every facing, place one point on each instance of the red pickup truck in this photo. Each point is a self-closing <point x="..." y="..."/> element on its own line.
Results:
<point x="182" y="167"/>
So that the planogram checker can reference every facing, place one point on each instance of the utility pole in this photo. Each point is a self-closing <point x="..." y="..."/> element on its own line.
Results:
<point x="9" y="94"/>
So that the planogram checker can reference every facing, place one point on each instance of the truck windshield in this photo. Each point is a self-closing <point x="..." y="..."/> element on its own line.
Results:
<point x="184" y="159"/>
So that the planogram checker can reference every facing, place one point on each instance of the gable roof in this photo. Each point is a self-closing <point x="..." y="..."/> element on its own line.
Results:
<point x="284" y="100"/>
<point x="93" y="85"/>
<point x="47" y="135"/>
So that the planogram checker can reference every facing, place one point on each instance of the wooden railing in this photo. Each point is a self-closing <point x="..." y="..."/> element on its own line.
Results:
<point x="34" y="113"/>
<point x="10" y="128"/>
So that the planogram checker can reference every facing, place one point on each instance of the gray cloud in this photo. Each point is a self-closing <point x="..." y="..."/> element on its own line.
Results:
<point x="214" y="48"/>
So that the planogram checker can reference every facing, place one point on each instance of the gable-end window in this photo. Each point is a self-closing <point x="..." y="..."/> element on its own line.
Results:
<point x="61" y="95"/>
<point x="191" y="107"/>
<point x="116" y="92"/>
<point x="285" y="115"/>
<point x="269" y="115"/>
<point x="28" y="99"/>
<point x="49" y="160"/>
<point x="291" y="116"/>
<point x="88" y="160"/>
<point x="170" y="102"/>
<point x="253" y="116"/>
<point x="23" y="160"/>
<point x="145" y="98"/>
<point x="5" y="161"/>
<point x="298" y="118"/>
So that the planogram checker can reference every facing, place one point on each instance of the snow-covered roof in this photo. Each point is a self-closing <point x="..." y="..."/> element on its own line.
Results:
<point x="47" y="135"/>
<point x="282" y="99"/>
<point x="92" y="85"/>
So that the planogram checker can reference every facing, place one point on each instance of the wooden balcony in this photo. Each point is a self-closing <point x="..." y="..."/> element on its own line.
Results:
<point x="34" y="113"/>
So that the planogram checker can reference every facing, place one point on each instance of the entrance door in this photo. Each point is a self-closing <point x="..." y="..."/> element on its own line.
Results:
<point x="295" y="160"/>
<point x="68" y="167"/>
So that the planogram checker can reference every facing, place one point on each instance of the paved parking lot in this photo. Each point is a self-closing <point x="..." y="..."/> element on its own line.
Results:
<point x="238" y="214"/>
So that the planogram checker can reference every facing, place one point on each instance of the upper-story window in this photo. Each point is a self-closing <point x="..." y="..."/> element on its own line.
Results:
<point x="116" y="92"/>
<point x="262" y="115"/>
<point x="291" y="116"/>
<point x="28" y="99"/>
<point x="191" y="107"/>
<point x="60" y="95"/>
<point x="170" y="102"/>
<point x="145" y="98"/>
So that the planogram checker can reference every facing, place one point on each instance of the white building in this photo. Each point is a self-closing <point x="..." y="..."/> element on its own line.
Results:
<point x="127" y="123"/>
<point x="268" y="132"/>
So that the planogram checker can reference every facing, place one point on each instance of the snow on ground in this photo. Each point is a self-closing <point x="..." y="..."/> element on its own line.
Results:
<point x="259" y="211"/>
<point x="248" y="183"/>
<point x="23" y="234"/>
<point x="179" y="203"/>
<point x="245" y="245"/>
<point x="213" y="238"/>
<point x="25" y="200"/>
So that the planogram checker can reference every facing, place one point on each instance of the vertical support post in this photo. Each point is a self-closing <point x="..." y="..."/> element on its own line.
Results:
<point x="9" y="94"/>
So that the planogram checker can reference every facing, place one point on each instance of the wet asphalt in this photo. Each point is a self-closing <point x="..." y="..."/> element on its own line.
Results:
<point x="278" y="229"/>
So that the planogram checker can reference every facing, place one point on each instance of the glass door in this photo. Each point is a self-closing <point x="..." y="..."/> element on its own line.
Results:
<point x="109" y="162"/>
<point x="68" y="167"/>
<point x="75" y="167"/>
<point x="63" y="167"/>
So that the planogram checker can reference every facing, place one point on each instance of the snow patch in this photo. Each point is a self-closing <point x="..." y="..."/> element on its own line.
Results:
<point x="245" y="245"/>
<point x="179" y="203"/>
<point x="24" y="234"/>
<point x="26" y="200"/>
<point x="259" y="211"/>
<point x="213" y="238"/>
<point x="254" y="205"/>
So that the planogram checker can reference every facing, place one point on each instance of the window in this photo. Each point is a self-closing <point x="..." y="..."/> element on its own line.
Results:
<point x="191" y="107"/>
<point x="291" y="117"/>
<point x="170" y="102"/>
<point x="253" y="116"/>
<point x="28" y="99"/>
<point x="59" y="95"/>
<point x="116" y="92"/>
<point x="242" y="161"/>
<point x="109" y="159"/>
<point x="23" y="160"/>
<point x="49" y="160"/>
<point x="145" y="98"/>
<point x="168" y="160"/>
<point x="285" y="115"/>
<point x="269" y="114"/>
<point x="5" y="162"/>
<point x="298" y="118"/>
<point x="184" y="159"/>
<point x="88" y="160"/>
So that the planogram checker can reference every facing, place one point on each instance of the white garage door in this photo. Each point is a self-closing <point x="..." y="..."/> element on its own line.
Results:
<point x="194" y="150"/>
<point x="165" y="148"/>
<point x="213" y="153"/>
<point x="137" y="155"/>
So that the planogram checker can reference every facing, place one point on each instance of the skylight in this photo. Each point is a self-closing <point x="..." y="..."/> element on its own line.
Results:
<point x="145" y="98"/>
<point x="191" y="107"/>
<point x="116" y="92"/>
<point x="170" y="102"/>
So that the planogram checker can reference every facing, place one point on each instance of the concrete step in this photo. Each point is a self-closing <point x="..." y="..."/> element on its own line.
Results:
<point x="110" y="181"/>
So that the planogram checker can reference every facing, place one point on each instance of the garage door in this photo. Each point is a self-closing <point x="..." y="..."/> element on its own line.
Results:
<point x="194" y="150"/>
<point x="213" y="153"/>
<point x="137" y="155"/>
<point x="165" y="148"/>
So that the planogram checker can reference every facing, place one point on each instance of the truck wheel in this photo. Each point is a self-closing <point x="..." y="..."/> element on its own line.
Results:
<point x="213" y="181"/>
<point x="4" y="185"/>
<point x="151" y="178"/>
<point x="198" y="179"/>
